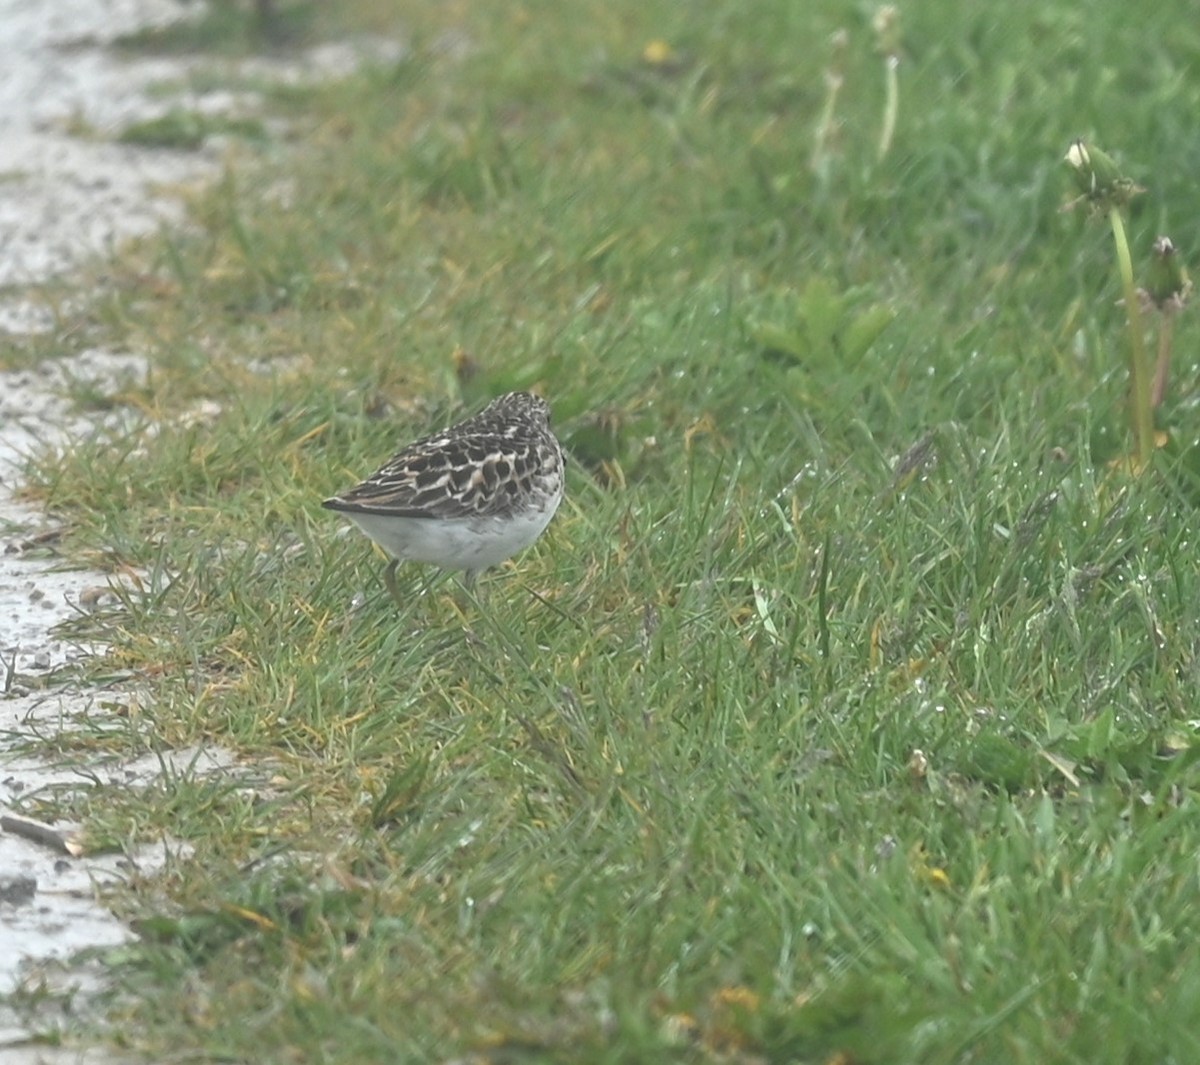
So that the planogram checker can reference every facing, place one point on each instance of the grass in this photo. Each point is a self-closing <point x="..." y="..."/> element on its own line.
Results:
<point x="846" y="712"/>
<point x="187" y="130"/>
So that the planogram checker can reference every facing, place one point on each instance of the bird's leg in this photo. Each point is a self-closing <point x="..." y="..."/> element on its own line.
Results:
<point x="465" y="595"/>
<point x="464" y="600"/>
<point x="389" y="582"/>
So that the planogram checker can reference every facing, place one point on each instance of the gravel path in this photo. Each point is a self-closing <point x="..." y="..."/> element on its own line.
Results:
<point x="69" y="192"/>
<point x="64" y="198"/>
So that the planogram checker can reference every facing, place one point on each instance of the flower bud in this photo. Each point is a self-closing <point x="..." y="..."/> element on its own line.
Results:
<point x="886" y="24"/>
<point x="1098" y="178"/>
<point x="1167" y="282"/>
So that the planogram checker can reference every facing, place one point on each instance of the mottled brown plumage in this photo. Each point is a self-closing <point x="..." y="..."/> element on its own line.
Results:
<point x="467" y="497"/>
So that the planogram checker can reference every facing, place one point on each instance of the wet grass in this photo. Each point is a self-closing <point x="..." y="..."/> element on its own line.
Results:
<point x="846" y="712"/>
<point x="234" y="28"/>
<point x="184" y="130"/>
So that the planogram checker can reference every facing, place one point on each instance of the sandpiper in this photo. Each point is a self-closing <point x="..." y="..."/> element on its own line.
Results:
<point x="468" y="497"/>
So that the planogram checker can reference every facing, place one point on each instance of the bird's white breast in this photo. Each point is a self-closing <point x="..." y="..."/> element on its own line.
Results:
<point x="473" y="543"/>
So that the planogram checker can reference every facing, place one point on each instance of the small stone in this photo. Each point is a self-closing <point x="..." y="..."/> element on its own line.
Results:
<point x="17" y="890"/>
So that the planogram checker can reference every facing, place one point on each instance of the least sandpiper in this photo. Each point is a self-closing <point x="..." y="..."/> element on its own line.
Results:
<point x="468" y="497"/>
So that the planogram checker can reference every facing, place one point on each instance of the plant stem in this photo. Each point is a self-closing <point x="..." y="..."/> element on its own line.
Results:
<point x="822" y="152"/>
<point x="1141" y="412"/>
<point x="835" y="77"/>
<point x="891" y="105"/>
<point x="1163" y="366"/>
